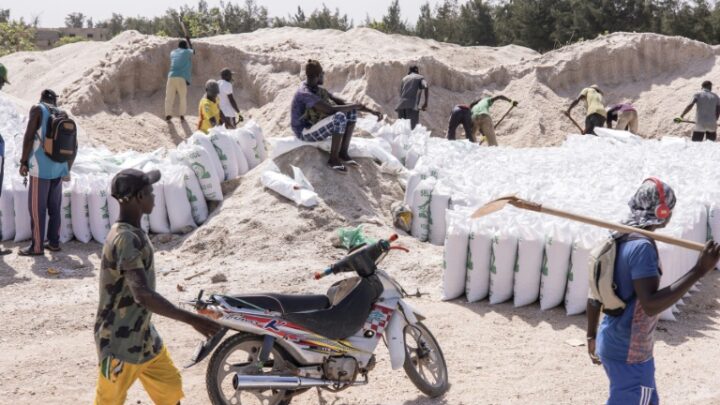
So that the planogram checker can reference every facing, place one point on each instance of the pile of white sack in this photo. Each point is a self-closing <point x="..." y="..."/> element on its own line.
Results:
<point x="528" y="257"/>
<point x="191" y="176"/>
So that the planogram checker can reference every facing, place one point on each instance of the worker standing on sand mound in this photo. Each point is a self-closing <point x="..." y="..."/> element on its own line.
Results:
<point x="626" y="116"/>
<point x="482" y="121"/>
<point x="594" y="106"/>
<point x="228" y="106"/>
<point x="412" y="85"/>
<point x="209" y="114"/>
<point x="179" y="77"/>
<point x="625" y="341"/>
<point x="316" y="114"/>
<point x="706" y="114"/>
<point x="128" y="346"/>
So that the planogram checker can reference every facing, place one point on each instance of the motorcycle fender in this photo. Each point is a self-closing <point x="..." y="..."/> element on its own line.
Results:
<point x="396" y="340"/>
<point x="411" y="314"/>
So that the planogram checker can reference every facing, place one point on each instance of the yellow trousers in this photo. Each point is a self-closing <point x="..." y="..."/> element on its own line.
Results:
<point x="175" y="86"/>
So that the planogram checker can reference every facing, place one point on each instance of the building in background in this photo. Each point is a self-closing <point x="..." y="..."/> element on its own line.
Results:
<point x="46" y="38"/>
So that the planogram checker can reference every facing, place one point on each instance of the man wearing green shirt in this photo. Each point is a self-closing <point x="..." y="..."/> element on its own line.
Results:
<point x="482" y="121"/>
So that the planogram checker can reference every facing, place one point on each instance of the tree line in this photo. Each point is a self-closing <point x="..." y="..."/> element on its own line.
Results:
<point x="542" y="25"/>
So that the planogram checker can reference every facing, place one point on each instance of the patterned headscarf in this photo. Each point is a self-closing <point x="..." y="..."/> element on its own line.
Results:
<point x="645" y="201"/>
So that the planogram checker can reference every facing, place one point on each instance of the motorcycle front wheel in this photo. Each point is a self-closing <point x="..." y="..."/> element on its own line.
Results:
<point x="424" y="361"/>
<point x="240" y="354"/>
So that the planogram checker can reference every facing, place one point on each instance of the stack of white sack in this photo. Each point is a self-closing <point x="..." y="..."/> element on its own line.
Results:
<point x="191" y="175"/>
<point x="529" y="257"/>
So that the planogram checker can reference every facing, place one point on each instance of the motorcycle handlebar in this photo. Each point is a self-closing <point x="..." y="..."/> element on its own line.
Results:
<point x="363" y="261"/>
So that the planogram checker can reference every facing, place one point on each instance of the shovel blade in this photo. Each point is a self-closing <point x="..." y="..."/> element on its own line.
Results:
<point x="492" y="206"/>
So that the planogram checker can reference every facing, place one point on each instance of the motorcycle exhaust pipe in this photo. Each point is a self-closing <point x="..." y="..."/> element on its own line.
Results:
<point x="264" y="382"/>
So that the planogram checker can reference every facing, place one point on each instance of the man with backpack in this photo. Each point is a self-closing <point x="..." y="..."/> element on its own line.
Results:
<point x="624" y="342"/>
<point x="48" y="166"/>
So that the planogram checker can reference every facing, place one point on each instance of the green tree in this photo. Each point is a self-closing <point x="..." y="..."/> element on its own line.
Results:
<point x="68" y="40"/>
<point x="16" y="36"/>
<point x="476" y="24"/>
<point x="446" y="22"/>
<point x="4" y="15"/>
<point x="391" y="22"/>
<point x="75" y="20"/>
<point x="424" y="27"/>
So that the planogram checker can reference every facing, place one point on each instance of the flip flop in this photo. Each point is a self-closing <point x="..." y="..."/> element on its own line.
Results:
<point x="338" y="168"/>
<point x="350" y="162"/>
<point x="52" y="248"/>
<point x="27" y="252"/>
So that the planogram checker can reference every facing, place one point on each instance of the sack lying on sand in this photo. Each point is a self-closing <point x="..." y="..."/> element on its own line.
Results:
<point x="179" y="209"/>
<point x="202" y="140"/>
<point x="422" y="196"/>
<point x="195" y="196"/>
<point x="225" y="150"/>
<point x="7" y="212"/>
<point x="455" y="260"/>
<point x="289" y="188"/>
<point x="80" y="212"/>
<point x="502" y="265"/>
<point x="555" y="269"/>
<point x="477" y="283"/>
<point x="199" y="160"/>
<point x="98" y="208"/>
<point x="66" y="231"/>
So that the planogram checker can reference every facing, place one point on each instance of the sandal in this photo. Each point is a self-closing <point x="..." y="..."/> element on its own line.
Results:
<point x="349" y="161"/>
<point x="337" y="167"/>
<point x="28" y="252"/>
<point x="52" y="248"/>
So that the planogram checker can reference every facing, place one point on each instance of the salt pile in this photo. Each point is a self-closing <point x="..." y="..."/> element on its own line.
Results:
<point x="530" y="257"/>
<point x="191" y="175"/>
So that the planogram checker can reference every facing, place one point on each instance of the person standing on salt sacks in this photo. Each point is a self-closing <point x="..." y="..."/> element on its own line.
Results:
<point x="624" y="342"/>
<point x="595" y="113"/>
<point x="412" y="85"/>
<point x="706" y="114"/>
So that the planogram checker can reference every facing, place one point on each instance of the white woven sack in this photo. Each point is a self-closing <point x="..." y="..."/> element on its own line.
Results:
<point x="555" y="269"/>
<point x="80" y="212"/>
<point x="531" y="246"/>
<point x="477" y="283"/>
<point x="502" y="265"/>
<point x="7" y="212"/>
<point x="455" y="258"/>
<point x="179" y="209"/>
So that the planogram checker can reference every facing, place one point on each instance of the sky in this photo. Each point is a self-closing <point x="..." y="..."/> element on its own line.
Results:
<point x="52" y="12"/>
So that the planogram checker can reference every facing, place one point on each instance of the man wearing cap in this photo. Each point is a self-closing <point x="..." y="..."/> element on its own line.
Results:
<point x="3" y="81"/>
<point x="128" y="346"/>
<point x="410" y="88"/>
<point x="706" y="114"/>
<point x="625" y="342"/>
<point x="228" y="106"/>
<point x="46" y="177"/>
<point x="209" y="114"/>
<point x="179" y="77"/>
<point x="316" y="114"/>
<point x="594" y="108"/>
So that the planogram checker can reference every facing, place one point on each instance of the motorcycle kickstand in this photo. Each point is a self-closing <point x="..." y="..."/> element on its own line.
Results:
<point x="267" y="345"/>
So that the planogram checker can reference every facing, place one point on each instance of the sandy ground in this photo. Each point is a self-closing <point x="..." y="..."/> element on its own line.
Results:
<point x="260" y="242"/>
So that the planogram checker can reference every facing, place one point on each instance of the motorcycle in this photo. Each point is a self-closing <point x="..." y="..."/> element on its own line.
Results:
<point x="288" y="344"/>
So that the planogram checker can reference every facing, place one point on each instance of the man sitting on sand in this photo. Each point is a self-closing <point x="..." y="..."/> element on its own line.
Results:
<point x="706" y="114"/>
<point x="317" y="114"/>
<point x="626" y="116"/>
<point x="595" y="108"/>
<point x="481" y="117"/>
<point x="625" y="342"/>
<point x="209" y="114"/>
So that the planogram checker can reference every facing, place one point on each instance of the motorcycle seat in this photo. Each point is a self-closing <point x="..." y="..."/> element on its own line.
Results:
<point x="282" y="303"/>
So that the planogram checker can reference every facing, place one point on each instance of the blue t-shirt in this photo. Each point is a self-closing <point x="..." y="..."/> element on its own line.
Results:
<point x="303" y="100"/>
<point x="181" y="63"/>
<point x="629" y="337"/>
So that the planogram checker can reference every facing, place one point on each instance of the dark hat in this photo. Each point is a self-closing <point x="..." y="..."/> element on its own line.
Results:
<point x="49" y="95"/>
<point x="127" y="183"/>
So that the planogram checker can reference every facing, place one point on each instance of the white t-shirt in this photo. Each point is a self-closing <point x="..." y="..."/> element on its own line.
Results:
<point x="225" y="90"/>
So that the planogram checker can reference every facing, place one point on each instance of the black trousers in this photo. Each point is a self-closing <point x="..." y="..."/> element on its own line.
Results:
<point x="460" y="116"/>
<point x="702" y="136"/>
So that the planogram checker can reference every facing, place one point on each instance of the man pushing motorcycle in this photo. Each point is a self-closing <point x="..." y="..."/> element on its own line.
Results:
<point x="129" y="347"/>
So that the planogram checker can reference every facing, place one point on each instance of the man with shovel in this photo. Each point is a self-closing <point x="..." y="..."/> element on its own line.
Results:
<point x="625" y="342"/>
<point x="706" y="114"/>
<point x="594" y="108"/>
<point x="481" y="117"/>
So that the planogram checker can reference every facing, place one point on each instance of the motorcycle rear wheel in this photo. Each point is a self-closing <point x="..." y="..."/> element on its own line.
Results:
<point x="238" y="353"/>
<point x="424" y="361"/>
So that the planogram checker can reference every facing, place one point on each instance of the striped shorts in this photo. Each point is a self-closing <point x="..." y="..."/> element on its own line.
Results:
<point x="326" y="127"/>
